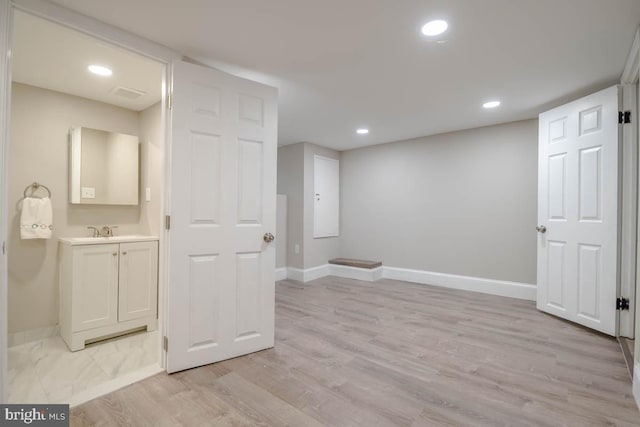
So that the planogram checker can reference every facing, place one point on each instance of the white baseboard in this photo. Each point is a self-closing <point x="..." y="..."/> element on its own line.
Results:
<point x="636" y="383"/>
<point x="281" y="273"/>
<point x="295" y="274"/>
<point x="308" y="274"/>
<point x="466" y="283"/>
<point x="19" y="338"/>
<point x="365" y="274"/>
<point x="316" y="272"/>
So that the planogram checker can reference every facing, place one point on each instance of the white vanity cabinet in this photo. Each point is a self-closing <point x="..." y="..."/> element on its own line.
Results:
<point x="108" y="286"/>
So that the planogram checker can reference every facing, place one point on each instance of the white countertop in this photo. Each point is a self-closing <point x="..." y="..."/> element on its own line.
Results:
<point x="106" y="240"/>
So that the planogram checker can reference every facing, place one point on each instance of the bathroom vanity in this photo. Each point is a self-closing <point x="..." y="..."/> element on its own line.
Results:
<point x="108" y="286"/>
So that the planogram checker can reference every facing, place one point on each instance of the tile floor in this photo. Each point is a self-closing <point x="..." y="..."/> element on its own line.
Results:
<point x="46" y="371"/>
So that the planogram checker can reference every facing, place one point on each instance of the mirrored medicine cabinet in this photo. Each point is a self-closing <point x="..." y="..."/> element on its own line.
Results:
<point x="104" y="167"/>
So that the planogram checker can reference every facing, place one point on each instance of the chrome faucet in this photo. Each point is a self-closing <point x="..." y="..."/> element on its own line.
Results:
<point x="107" y="231"/>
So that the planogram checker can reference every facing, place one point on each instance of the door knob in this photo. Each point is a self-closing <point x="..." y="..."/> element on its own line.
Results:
<point x="268" y="237"/>
<point x="541" y="229"/>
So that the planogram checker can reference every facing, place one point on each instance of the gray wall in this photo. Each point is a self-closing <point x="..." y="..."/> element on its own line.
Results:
<point x="295" y="180"/>
<point x="459" y="203"/>
<point x="281" y="231"/>
<point x="291" y="184"/>
<point x="152" y="169"/>
<point x="316" y="251"/>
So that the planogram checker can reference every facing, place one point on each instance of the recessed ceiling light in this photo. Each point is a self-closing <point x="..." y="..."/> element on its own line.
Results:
<point x="491" y="104"/>
<point x="434" y="28"/>
<point x="100" y="70"/>
<point x="362" y="131"/>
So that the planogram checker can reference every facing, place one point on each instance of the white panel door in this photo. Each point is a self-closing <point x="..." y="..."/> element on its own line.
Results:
<point x="95" y="286"/>
<point x="138" y="274"/>
<point x="578" y="211"/>
<point x="223" y="204"/>
<point x="326" y="205"/>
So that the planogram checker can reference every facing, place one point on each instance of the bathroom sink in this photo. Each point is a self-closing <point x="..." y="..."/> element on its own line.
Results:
<point x="102" y="240"/>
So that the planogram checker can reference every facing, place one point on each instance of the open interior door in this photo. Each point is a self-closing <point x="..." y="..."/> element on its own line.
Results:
<point x="223" y="205"/>
<point x="578" y="211"/>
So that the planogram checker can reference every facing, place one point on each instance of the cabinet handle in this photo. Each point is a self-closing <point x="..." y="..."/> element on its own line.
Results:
<point x="124" y="253"/>
<point x="115" y="254"/>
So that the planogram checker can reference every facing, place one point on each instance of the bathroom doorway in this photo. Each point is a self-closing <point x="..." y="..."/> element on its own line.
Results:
<point x="53" y="92"/>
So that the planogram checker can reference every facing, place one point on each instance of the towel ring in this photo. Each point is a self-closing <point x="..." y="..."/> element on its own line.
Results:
<point x="35" y="186"/>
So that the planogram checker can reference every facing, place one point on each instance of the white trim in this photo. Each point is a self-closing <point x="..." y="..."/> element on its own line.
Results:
<point x="304" y="276"/>
<point x="316" y="272"/>
<point x="636" y="383"/>
<point x="453" y="281"/>
<point x="6" y="25"/>
<point x="629" y="210"/>
<point x="466" y="283"/>
<point x="281" y="274"/>
<point x="19" y="338"/>
<point x="114" y="384"/>
<point x="307" y="275"/>
<point x="631" y="68"/>
<point x="164" y="244"/>
<point x="295" y="274"/>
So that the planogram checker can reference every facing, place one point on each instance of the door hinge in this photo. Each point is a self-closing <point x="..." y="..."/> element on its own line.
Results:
<point x="165" y="343"/>
<point x="167" y="222"/>
<point x="3" y="247"/>
<point x="624" y="117"/>
<point x="169" y="101"/>
<point x="622" y="304"/>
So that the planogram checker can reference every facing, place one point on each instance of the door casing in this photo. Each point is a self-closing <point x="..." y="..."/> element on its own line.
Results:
<point x="630" y="248"/>
<point x="6" y="15"/>
<point x="114" y="36"/>
<point x="629" y="210"/>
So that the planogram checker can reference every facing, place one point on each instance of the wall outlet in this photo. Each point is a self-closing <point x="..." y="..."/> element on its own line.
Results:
<point x="296" y="248"/>
<point x="88" y="193"/>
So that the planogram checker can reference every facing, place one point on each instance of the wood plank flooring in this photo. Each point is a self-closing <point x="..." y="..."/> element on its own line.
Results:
<point x="390" y="353"/>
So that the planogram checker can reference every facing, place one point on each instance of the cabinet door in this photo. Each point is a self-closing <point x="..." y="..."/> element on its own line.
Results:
<point x="95" y="286"/>
<point x="138" y="295"/>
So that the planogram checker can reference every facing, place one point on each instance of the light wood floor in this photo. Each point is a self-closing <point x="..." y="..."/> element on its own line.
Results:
<point x="352" y="353"/>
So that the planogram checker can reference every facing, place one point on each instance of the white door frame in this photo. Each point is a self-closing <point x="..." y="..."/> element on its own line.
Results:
<point x="629" y="218"/>
<point x="109" y="34"/>
<point x="5" y="97"/>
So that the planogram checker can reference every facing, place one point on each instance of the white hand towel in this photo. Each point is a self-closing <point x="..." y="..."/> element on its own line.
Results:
<point x="36" y="219"/>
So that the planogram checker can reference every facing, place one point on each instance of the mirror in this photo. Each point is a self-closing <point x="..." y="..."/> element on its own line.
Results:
<point x="104" y="167"/>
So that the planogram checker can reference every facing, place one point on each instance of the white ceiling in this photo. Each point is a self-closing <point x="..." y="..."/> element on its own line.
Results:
<point x="54" y="57"/>
<point x="344" y="64"/>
